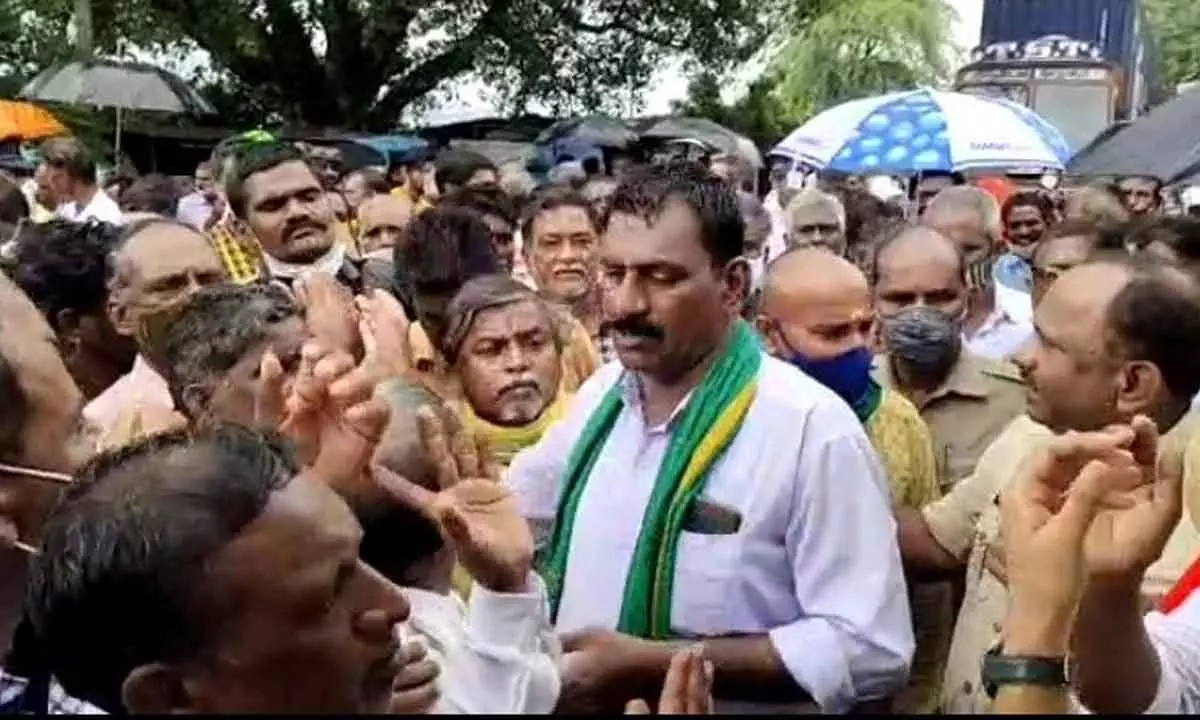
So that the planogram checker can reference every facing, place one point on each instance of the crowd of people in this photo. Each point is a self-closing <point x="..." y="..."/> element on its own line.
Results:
<point x="426" y="439"/>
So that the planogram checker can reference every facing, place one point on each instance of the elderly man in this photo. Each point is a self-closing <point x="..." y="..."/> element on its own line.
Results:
<point x="751" y="510"/>
<point x="503" y="342"/>
<point x="971" y="218"/>
<point x="446" y="247"/>
<point x="382" y="221"/>
<point x="920" y="299"/>
<point x="159" y="265"/>
<point x="560" y="233"/>
<point x="816" y="314"/>
<point x="815" y="217"/>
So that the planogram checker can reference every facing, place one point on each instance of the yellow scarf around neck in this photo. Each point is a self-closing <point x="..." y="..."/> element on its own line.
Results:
<point x="506" y="442"/>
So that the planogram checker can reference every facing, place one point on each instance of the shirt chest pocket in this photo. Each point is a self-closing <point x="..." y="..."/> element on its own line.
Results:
<point x="705" y="583"/>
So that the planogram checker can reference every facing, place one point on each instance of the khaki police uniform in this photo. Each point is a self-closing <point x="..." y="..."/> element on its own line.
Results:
<point x="972" y="407"/>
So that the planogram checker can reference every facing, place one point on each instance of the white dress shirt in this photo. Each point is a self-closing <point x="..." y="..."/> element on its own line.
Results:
<point x="1176" y="639"/>
<point x="194" y="210"/>
<point x="101" y="207"/>
<point x="815" y="564"/>
<point x="1000" y="336"/>
<point x="498" y="655"/>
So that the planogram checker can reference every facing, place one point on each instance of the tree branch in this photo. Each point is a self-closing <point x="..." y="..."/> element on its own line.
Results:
<point x="456" y="59"/>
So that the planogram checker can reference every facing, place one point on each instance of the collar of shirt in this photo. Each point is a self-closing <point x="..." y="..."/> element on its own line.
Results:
<point x="966" y="378"/>
<point x="631" y="393"/>
<point x="329" y="263"/>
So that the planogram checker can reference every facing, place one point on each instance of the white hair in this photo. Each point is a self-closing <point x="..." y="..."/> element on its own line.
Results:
<point x="963" y="199"/>
<point x="812" y="198"/>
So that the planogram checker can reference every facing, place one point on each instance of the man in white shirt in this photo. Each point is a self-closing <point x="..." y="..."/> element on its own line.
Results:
<point x="971" y="218"/>
<point x="701" y="489"/>
<point x="66" y="176"/>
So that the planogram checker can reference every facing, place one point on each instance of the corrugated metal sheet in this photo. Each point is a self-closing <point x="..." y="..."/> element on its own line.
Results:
<point x="1112" y="25"/>
<point x="1119" y="28"/>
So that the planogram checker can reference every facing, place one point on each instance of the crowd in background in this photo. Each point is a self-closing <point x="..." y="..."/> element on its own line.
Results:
<point x="428" y="438"/>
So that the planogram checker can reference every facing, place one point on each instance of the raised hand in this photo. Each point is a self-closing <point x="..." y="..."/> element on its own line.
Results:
<point x="329" y="312"/>
<point x="1047" y="512"/>
<point x="1127" y="538"/>
<point x="330" y="411"/>
<point x="384" y="327"/>
<point x="687" y="689"/>
<point x="476" y="513"/>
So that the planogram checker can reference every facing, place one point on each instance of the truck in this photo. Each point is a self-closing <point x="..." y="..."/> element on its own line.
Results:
<point x="1081" y="65"/>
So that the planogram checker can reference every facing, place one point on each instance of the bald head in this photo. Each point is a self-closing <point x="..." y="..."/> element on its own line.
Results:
<point x="811" y="274"/>
<point x="815" y="304"/>
<point x="383" y="219"/>
<point x="919" y="266"/>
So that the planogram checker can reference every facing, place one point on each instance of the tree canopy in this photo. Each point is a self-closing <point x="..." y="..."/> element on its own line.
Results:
<point x="1177" y="25"/>
<point x="360" y="63"/>
<point x="829" y="52"/>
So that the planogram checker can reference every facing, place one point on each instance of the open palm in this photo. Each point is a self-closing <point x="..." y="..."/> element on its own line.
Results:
<point x="477" y="513"/>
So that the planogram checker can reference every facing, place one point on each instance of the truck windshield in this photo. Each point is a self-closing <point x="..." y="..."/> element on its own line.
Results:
<point x="1016" y="93"/>
<point x="1080" y="111"/>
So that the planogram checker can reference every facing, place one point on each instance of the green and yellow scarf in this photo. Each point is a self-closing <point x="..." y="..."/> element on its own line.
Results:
<point x="702" y="432"/>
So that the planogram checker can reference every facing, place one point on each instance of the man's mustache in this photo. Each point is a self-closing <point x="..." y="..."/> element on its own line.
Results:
<point x="305" y="224"/>
<point x="520" y="385"/>
<point x="637" y="327"/>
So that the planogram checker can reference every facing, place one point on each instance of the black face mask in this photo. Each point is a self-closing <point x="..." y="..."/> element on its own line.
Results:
<point x="925" y="339"/>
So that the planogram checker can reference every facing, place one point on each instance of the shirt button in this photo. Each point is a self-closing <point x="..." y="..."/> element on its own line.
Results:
<point x="967" y="687"/>
<point x="997" y="628"/>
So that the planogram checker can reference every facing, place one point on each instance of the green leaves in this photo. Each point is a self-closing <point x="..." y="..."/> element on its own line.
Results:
<point x="1177" y="26"/>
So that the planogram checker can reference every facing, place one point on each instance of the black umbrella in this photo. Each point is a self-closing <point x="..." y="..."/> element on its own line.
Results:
<point x="1164" y="144"/>
<point x="119" y="85"/>
<point x="598" y="130"/>
<point x="714" y="135"/>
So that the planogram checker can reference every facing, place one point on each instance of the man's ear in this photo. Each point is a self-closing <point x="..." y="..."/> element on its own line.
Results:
<point x="736" y="284"/>
<point x="157" y="689"/>
<point x="195" y="399"/>
<point x="1140" y="386"/>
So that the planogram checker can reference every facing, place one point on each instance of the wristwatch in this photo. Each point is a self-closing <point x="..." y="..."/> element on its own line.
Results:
<point x="1000" y="669"/>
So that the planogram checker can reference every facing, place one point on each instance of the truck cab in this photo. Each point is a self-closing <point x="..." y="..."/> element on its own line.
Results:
<point x="1065" y="81"/>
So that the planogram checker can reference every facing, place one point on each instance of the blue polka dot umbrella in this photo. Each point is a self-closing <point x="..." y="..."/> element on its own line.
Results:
<point x="926" y="130"/>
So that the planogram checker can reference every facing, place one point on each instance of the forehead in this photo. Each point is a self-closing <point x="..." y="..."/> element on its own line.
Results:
<point x="515" y="318"/>
<point x="961" y="226"/>
<point x="1076" y="305"/>
<point x="673" y="238"/>
<point x="164" y="249"/>
<point x="1024" y="211"/>
<point x="562" y="219"/>
<point x="916" y="265"/>
<point x="384" y="211"/>
<point x="1069" y="249"/>
<point x="285" y="179"/>
<point x="302" y="526"/>
<point x="1137" y="183"/>
<point x="829" y="303"/>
